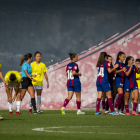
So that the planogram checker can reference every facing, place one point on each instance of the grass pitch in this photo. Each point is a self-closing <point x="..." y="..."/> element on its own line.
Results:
<point x="51" y="125"/>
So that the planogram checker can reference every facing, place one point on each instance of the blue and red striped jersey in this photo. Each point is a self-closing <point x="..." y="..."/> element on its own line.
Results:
<point x="103" y="73"/>
<point x="120" y="76"/>
<point x="111" y="75"/>
<point x="73" y="80"/>
<point x="131" y="78"/>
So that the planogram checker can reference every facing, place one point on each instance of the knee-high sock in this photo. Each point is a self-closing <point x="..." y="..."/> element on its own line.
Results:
<point x="98" y="104"/>
<point x="122" y="105"/>
<point x="38" y="102"/>
<point x="110" y="102"/>
<point x="127" y="108"/>
<point x="78" y="104"/>
<point x="118" y="100"/>
<point x="139" y="107"/>
<point x="30" y="103"/>
<point x="33" y="103"/>
<point x="106" y="105"/>
<point x="18" y="103"/>
<point x="66" y="102"/>
<point x="134" y="106"/>
<point x="10" y="106"/>
<point x="103" y="105"/>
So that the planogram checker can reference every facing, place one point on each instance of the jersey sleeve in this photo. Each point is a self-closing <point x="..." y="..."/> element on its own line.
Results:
<point x="75" y="68"/>
<point x="108" y="65"/>
<point x="126" y="70"/>
<point x="18" y="77"/>
<point x="25" y="67"/>
<point x="44" y="68"/>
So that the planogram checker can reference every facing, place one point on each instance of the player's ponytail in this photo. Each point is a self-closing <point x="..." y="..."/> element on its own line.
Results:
<point x="72" y="55"/>
<point x="127" y="59"/>
<point x="119" y="54"/>
<point x="25" y="58"/>
<point x="101" y="58"/>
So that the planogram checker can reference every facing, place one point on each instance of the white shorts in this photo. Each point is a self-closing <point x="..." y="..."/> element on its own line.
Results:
<point x="38" y="87"/>
<point x="11" y="86"/>
<point x="139" y="90"/>
<point x="20" y="86"/>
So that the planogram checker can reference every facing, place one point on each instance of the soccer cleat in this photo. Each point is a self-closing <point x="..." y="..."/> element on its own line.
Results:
<point x="105" y="112"/>
<point x="30" y="111"/>
<point x="80" y="113"/>
<point x="116" y="110"/>
<point x="128" y="114"/>
<point x="98" y="113"/>
<point x="17" y="113"/>
<point x="35" y="112"/>
<point x="113" y="113"/>
<point x="63" y="111"/>
<point x="1" y="118"/>
<point x="39" y="112"/>
<point x="134" y="113"/>
<point x="10" y="113"/>
<point x="121" y="113"/>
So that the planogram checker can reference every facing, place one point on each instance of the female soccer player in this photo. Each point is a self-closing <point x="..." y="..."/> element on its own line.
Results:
<point x="110" y="76"/>
<point x="138" y="81"/>
<point x="27" y="78"/>
<point x="73" y="84"/>
<point x="13" y="80"/>
<point x="130" y="84"/>
<point x="1" y="76"/>
<point x="39" y="69"/>
<point x="102" y="82"/>
<point x="119" y="80"/>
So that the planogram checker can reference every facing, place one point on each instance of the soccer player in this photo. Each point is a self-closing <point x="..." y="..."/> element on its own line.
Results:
<point x="27" y="78"/>
<point x="102" y="82"/>
<point x="130" y="84"/>
<point x="39" y="69"/>
<point x="73" y="84"/>
<point x="13" y="80"/>
<point x="138" y="81"/>
<point x="1" y="76"/>
<point x="119" y="81"/>
<point x="111" y="81"/>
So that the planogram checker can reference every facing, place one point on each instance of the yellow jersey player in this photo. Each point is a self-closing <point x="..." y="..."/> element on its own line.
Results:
<point x="39" y="69"/>
<point x="1" y="76"/>
<point x="13" y="80"/>
<point x="138" y="81"/>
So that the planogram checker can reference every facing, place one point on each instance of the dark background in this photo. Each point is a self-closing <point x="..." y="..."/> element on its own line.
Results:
<point x="57" y="27"/>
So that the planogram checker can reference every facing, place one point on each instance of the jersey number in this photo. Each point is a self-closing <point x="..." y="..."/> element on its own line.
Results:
<point x="101" y="72"/>
<point x="70" y="75"/>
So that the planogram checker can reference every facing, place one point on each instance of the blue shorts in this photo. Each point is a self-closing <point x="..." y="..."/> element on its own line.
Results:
<point x="75" y="88"/>
<point x="118" y="85"/>
<point x="104" y="87"/>
<point x="112" y="90"/>
<point x="128" y="89"/>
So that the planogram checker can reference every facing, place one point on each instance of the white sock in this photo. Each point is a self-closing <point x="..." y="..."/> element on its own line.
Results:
<point x="132" y="105"/>
<point x="38" y="102"/>
<point x="18" y="103"/>
<point x="10" y="106"/>
<point x="63" y="107"/>
<point x="30" y="103"/>
<point x="139" y="108"/>
<point x="79" y="110"/>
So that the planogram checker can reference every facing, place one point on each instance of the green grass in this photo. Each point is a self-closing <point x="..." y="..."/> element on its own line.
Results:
<point x="68" y="127"/>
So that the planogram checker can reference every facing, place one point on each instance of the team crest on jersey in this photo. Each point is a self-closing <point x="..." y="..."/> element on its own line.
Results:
<point x="108" y="64"/>
<point x="75" y="67"/>
<point x="127" y="89"/>
<point x="41" y="68"/>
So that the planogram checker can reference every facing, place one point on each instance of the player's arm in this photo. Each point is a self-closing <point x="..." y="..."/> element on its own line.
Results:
<point x="16" y="92"/>
<point x="26" y="73"/>
<point x="2" y="78"/>
<point x="127" y="72"/>
<point x="109" y="68"/>
<point x="74" y="71"/>
<point x="46" y="77"/>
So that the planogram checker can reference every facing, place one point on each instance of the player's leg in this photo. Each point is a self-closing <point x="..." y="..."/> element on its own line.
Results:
<point x="31" y="92"/>
<point x="132" y="100"/>
<point x="139" y="103"/>
<point x="9" y="95"/>
<point x="39" y="92"/>
<point x="135" y="92"/>
<point x="127" y="96"/>
<point x="103" y="101"/>
<point x="110" y="102"/>
<point x="18" y="102"/>
<point x="120" y="96"/>
<point x="70" y="95"/>
<point x="98" y="102"/>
